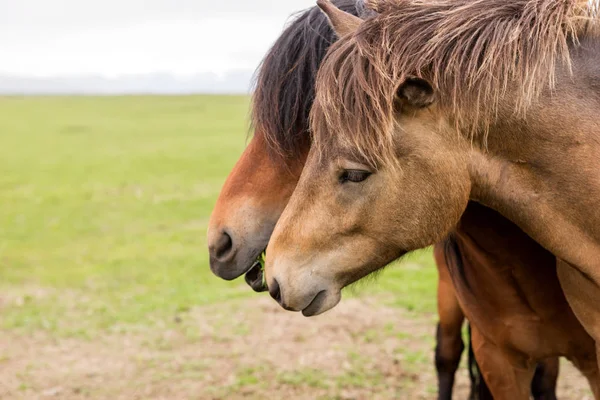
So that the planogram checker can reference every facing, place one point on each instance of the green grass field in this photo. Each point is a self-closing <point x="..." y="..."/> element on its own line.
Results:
<point x="105" y="288"/>
<point x="104" y="204"/>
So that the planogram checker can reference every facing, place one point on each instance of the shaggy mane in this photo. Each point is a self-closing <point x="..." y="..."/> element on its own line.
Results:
<point x="285" y="81"/>
<point x="471" y="51"/>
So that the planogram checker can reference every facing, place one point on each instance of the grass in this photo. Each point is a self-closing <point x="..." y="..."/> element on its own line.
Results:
<point x="104" y="204"/>
<point x="105" y="288"/>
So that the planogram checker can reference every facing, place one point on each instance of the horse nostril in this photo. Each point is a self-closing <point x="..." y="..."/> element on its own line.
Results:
<point x="275" y="291"/>
<point x="223" y="246"/>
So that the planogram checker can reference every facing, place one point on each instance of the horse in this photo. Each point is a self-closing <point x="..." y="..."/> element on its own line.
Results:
<point x="259" y="186"/>
<point x="427" y="106"/>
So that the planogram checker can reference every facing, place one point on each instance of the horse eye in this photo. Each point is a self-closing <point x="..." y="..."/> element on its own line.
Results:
<point x="354" y="175"/>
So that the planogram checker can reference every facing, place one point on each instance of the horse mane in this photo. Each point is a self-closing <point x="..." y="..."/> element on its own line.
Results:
<point x="471" y="51"/>
<point x="285" y="80"/>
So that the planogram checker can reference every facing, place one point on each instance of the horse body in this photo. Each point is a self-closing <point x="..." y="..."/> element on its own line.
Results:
<point x="517" y="321"/>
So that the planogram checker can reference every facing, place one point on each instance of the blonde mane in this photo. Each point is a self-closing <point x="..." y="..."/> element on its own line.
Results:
<point x="471" y="51"/>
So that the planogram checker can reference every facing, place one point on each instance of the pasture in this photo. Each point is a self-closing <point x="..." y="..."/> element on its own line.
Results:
<point x="105" y="289"/>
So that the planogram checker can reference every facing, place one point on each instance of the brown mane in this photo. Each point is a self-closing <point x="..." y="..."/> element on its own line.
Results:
<point x="471" y="51"/>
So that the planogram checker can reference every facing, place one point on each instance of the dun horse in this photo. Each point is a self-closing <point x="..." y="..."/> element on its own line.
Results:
<point x="266" y="179"/>
<point x="388" y="172"/>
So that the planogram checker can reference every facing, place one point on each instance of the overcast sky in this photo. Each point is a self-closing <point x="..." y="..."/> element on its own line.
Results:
<point x="115" y="37"/>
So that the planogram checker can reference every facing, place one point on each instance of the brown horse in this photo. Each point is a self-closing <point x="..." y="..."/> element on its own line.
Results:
<point x="515" y="321"/>
<point x="389" y="173"/>
<point x="261" y="183"/>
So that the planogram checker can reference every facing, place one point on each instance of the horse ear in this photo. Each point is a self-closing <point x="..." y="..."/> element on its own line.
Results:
<point x="415" y="92"/>
<point x="342" y="22"/>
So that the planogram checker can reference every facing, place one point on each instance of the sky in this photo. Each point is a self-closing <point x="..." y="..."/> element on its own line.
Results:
<point x="112" y="38"/>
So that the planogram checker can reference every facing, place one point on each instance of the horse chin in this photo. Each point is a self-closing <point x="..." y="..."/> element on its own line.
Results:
<point x="324" y="301"/>
<point x="255" y="278"/>
<point x="327" y="299"/>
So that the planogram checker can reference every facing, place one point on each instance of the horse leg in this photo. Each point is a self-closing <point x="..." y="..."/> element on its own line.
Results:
<point x="543" y="386"/>
<point x="448" y="352"/>
<point x="479" y="389"/>
<point x="505" y="380"/>
<point x="582" y="293"/>
<point x="589" y="368"/>
<point x="449" y="345"/>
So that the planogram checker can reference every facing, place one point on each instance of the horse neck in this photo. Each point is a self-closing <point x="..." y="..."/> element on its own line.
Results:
<point x="536" y="170"/>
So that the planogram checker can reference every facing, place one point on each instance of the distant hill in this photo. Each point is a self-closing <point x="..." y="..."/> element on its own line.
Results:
<point x="233" y="82"/>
